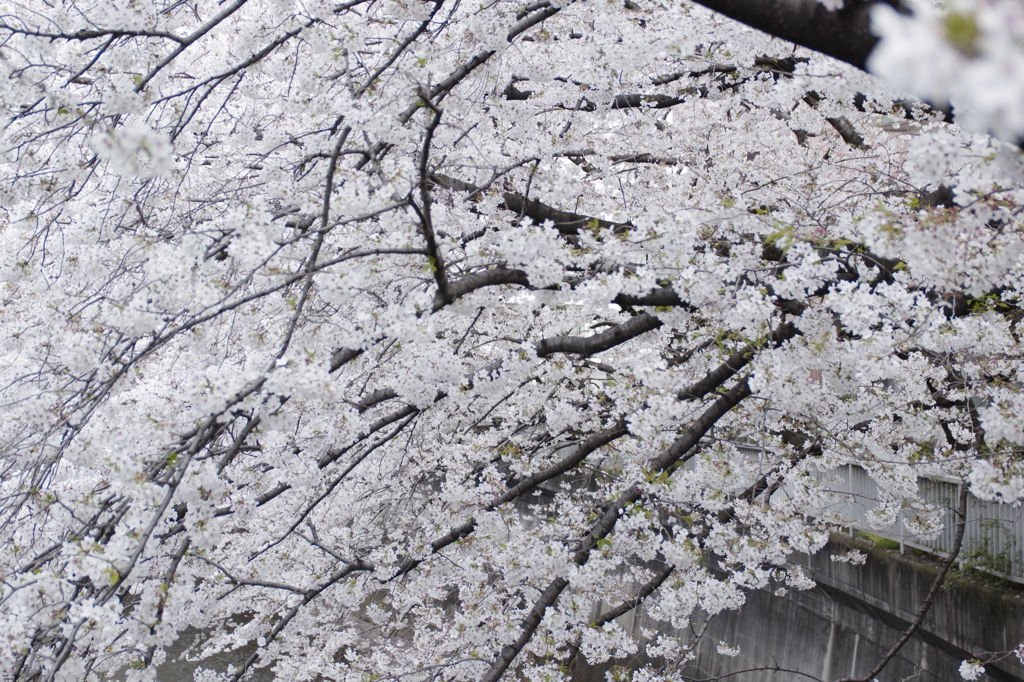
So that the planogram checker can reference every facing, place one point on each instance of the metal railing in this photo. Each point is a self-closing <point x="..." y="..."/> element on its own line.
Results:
<point x="993" y="538"/>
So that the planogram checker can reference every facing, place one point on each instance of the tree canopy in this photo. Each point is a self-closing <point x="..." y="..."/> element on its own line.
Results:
<point x="418" y="339"/>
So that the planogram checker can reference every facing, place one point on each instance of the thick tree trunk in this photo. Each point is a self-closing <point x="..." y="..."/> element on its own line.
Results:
<point x="844" y="34"/>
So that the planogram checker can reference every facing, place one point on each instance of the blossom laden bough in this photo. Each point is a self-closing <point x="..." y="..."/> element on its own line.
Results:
<point x="433" y="338"/>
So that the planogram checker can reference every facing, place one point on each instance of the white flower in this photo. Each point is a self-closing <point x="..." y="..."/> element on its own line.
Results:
<point x="726" y="650"/>
<point x="852" y="557"/>
<point x="135" y="149"/>
<point x="972" y="669"/>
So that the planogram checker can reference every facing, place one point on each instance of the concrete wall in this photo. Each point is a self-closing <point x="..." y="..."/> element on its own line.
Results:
<point x="845" y="625"/>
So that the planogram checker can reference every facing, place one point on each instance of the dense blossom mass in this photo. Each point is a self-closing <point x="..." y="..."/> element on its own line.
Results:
<point x="416" y="339"/>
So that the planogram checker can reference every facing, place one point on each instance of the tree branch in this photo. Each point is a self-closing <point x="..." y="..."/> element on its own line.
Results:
<point x="589" y="345"/>
<point x="479" y="280"/>
<point x="645" y="591"/>
<point x="334" y="453"/>
<point x="604" y="525"/>
<point x="565" y="222"/>
<point x="735" y="363"/>
<point x="437" y="265"/>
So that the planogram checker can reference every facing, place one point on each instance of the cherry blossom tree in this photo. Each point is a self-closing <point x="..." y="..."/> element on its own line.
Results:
<point x="418" y="339"/>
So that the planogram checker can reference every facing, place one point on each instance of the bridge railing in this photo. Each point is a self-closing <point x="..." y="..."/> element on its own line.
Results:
<point x="993" y="538"/>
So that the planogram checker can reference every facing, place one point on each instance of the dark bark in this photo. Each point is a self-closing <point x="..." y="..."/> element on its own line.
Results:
<point x="378" y="396"/>
<point x="578" y="454"/>
<point x="565" y="222"/>
<point x="645" y="591"/>
<point x="844" y="34"/>
<point x="645" y="101"/>
<point x="530" y="624"/>
<point x="735" y="363"/>
<point x="479" y="280"/>
<point x="437" y="264"/>
<point x="343" y="356"/>
<point x="332" y="455"/>
<point x="588" y="345"/>
<point x="664" y="296"/>
<point x="644" y="158"/>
